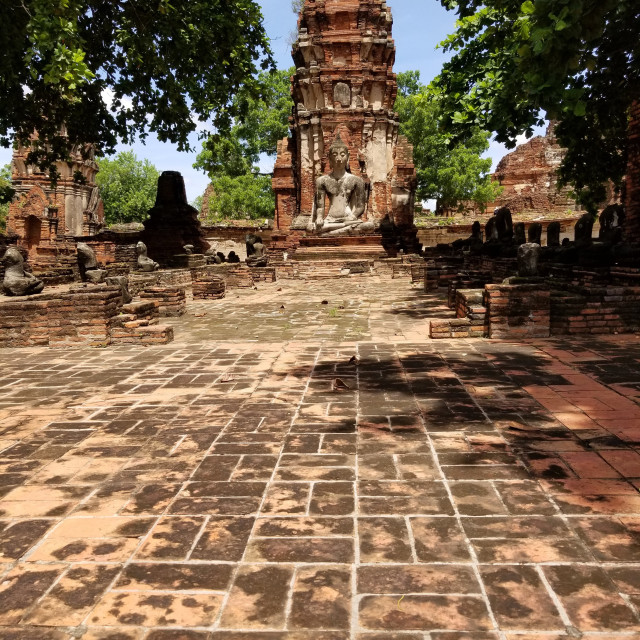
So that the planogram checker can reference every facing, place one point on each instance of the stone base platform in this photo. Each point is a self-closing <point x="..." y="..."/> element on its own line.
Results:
<point x="314" y="248"/>
<point x="307" y="254"/>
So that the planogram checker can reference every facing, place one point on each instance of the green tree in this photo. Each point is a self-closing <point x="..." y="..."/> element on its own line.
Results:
<point x="574" y="61"/>
<point x="231" y="159"/>
<point x="127" y="186"/>
<point x="264" y="123"/>
<point x="6" y="195"/>
<point x="161" y="65"/>
<point x="242" y="197"/>
<point x="449" y="172"/>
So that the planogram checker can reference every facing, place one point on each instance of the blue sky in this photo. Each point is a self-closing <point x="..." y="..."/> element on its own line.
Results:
<point x="419" y="25"/>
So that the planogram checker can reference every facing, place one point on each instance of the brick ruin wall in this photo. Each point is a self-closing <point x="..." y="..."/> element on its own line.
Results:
<point x="632" y="225"/>
<point x="528" y="176"/>
<point x="43" y="320"/>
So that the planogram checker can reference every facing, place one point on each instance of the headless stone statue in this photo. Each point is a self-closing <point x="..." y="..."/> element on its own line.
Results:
<point x="535" y="233"/>
<point x="553" y="234"/>
<point x="528" y="259"/>
<point x="256" y="251"/>
<point x="474" y="240"/>
<point x="123" y="284"/>
<point x="17" y="282"/>
<point x="584" y="231"/>
<point x="145" y="263"/>
<point x="346" y="194"/>
<point x="611" y="224"/>
<point x="491" y="230"/>
<point x="89" y="268"/>
<point x="504" y="224"/>
<point x="519" y="233"/>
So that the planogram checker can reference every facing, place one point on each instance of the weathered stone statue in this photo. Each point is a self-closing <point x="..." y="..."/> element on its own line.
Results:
<point x="504" y="224"/>
<point x="584" y="231"/>
<point x="535" y="233"/>
<point x="145" y="263"/>
<point x="233" y="258"/>
<point x="473" y="241"/>
<point x="553" y="234"/>
<point x="491" y="230"/>
<point x="611" y="224"/>
<point x="346" y="194"/>
<point x="519" y="233"/>
<point x="528" y="259"/>
<point x="123" y="283"/>
<point x="89" y="269"/>
<point x="256" y="251"/>
<point x="17" y="282"/>
<point x="214" y="257"/>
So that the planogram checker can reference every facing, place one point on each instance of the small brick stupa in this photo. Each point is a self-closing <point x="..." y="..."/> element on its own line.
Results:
<point x="172" y="223"/>
<point x="345" y="89"/>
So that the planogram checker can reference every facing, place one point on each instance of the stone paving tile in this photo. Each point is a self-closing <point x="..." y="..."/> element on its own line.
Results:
<point x="225" y="487"/>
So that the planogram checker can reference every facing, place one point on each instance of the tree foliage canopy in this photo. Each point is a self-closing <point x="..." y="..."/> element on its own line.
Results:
<point x="231" y="159"/>
<point x="449" y="172"/>
<point x="247" y="196"/>
<point x="127" y="187"/>
<point x="577" y="61"/>
<point x="264" y="123"/>
<point x="161" y="66"/>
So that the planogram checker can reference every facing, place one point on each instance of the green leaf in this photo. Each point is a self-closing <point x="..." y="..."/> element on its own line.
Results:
<point x="528" y="8"/>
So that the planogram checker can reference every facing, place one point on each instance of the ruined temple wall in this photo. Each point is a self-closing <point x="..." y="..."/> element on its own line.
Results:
<point x="632" y="225"/>
<point x="344" y="85"/>
<point x="42" y="213"/>
<point x="529" y="178"/>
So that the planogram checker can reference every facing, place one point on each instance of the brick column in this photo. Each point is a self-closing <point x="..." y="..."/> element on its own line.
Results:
<point x="632" y="225"/>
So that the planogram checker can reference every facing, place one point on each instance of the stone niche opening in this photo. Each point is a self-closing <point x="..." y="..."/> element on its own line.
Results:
<point x="32" y="232"/>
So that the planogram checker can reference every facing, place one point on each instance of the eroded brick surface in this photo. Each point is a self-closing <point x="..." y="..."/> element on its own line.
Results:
<point x="293" y="470"/>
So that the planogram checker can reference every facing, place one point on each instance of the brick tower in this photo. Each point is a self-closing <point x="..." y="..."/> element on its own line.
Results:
<point x="345" y="86"/>
<point x="46" y="216"/>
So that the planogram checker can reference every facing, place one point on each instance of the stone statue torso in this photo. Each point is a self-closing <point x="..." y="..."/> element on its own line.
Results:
<point x="341" y="194"/>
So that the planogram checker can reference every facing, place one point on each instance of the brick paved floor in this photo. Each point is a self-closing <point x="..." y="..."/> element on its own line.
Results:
<point x="253" y="480"/>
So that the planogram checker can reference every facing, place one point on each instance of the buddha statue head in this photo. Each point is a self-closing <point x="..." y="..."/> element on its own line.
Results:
<point x="339" y="155"/>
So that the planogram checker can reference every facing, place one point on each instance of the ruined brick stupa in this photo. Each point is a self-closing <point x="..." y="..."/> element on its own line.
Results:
<point x="344" y="91"/>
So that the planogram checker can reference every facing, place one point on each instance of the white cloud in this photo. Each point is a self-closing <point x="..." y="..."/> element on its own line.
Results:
<point x="108" y="96"/>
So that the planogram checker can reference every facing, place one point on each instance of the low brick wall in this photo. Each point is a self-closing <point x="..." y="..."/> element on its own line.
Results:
<point x="470" y="321"/>
<point x="137" y="323"/>
<point x="76" y="317"/>
<point x="518" y="311"/>
<point x="235" y="276"/>
<point x="208" y="284"/>
<point x="172" y="301"/>
<point x="139" y="281"/>
<point x="417" y="272"/>
<point x="264" y="274"/>
<point x="595" y="310"/>
<point x="87" y="316"/>
<point x="455" y="328"/>
<point x="189" y="261"/>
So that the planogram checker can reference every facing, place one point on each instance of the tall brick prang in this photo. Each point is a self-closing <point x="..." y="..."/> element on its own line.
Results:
<point x="345" y="86"/>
